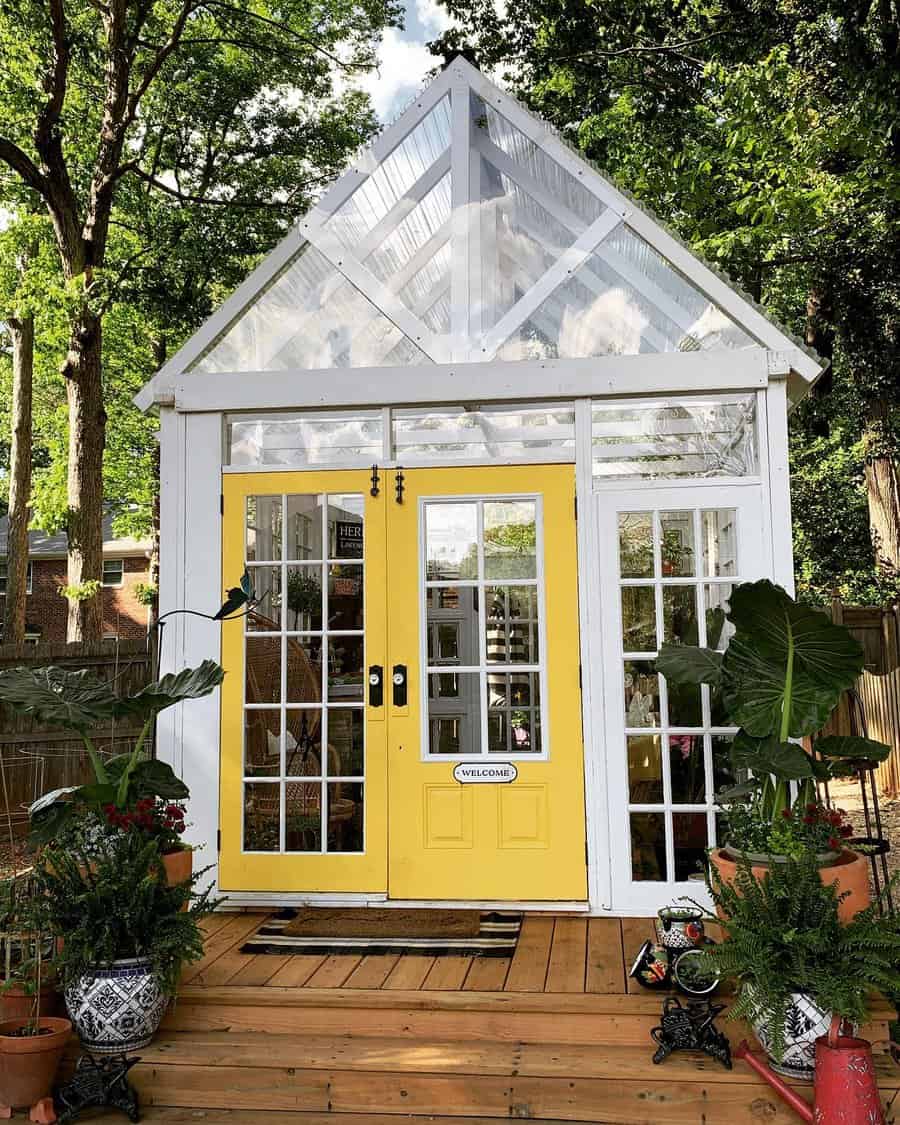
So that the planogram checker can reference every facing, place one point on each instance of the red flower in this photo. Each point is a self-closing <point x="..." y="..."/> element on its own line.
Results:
<point x="174" y="810"/>
<point x="787" y="814"/>
<point x="846" y="830"/>
<point x="809" y="820"/>
<point x="812" y="807"/>
<point x="834" y="843"/>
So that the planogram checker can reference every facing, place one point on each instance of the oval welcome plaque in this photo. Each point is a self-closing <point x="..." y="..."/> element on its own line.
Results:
<point x="487" y="773"/>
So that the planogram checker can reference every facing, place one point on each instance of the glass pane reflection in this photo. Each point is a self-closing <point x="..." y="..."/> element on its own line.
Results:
<point x="648" y="847"/>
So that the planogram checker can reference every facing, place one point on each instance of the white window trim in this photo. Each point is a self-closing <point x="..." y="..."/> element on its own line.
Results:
<point x="29" y="577"/>
<point x="483" y="669"/>
<point x="113" y="585"/>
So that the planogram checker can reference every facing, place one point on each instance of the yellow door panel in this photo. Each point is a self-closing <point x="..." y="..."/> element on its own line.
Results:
<point x="303" y="800"/>
<point x="500" y="638"/>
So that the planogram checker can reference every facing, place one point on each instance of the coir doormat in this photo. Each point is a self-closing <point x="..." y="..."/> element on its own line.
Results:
<point x="495" y="935"/>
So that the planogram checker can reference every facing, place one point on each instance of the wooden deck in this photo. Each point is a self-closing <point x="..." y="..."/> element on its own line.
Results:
<point x="552" y="1034"/>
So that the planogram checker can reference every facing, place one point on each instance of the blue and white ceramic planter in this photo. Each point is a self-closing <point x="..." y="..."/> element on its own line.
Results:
<point x="118" y="1007"/>
<point x="804" y="1023"/>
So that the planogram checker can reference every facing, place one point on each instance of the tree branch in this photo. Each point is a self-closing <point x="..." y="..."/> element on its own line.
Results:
<point x="211" y="201"/>
<point x="21" y="162"/>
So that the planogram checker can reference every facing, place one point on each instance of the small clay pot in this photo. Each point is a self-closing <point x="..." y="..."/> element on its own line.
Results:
<point x="17" y="1004"/>
<point x="28" y="1063"/>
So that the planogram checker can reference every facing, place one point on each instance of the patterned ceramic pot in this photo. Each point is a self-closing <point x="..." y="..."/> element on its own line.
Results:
<point x="804" y="1023"/>
<point x="680" y="927"/>
<point x="118" y="1007"/>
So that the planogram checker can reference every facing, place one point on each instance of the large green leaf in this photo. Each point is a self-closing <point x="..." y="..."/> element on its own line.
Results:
<point x="852" y="747"/>
<point x="149" y="778"/>
<point x="176" y="687"/>
<point x="784" y="656"/>
<point x="58" y="697"/>
<point x="686" y="664"/>
<point x="784" y="760"/>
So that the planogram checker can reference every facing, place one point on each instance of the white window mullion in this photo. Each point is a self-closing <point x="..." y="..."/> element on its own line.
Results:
<point x="481" y="594"/>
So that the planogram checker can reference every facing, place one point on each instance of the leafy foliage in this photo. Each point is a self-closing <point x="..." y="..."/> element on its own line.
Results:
<point x="782" y="935"/>
<point x="766" y="134"/>
<point x="108" y="899"/>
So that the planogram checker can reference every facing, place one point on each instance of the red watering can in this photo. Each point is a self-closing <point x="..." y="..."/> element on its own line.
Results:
<point x="844" y="1093"/>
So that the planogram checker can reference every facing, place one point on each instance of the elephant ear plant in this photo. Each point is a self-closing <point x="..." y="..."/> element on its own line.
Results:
<point x="130" y="788"/>
<point x="781" y="676"/>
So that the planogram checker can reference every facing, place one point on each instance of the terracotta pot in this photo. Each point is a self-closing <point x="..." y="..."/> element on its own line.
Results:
<point x="16" y="1004"/>
<point x="179" y="866"/>
<point x="28" y="1064"/>
<point x="849" y="872"/>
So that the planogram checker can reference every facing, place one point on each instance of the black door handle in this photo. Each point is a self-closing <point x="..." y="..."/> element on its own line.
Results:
<point x="399" y="681"/>
<point x="376" y="685"/>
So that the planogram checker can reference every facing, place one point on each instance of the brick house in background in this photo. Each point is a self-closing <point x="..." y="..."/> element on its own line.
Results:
<point x="126" y="564"/>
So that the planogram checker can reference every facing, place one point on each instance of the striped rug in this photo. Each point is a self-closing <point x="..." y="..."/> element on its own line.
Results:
<point x="497" y="937"/>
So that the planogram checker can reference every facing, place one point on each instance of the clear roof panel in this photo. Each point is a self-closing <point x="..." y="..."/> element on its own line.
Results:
<point x="436" y="263"/>
<point x="625" y="299"/>
<point x="311" y="317"/>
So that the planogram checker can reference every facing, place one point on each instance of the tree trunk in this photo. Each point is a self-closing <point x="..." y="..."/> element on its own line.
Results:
<point x="883" y="495"/>
<point x="87" y="436"/>
<point x="22" y="332"/>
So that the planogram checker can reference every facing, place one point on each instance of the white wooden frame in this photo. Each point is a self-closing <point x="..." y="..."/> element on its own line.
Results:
<point x="483" y="669"/>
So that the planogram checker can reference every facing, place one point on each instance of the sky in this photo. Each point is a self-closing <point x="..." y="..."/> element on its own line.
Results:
<point x="403" y="58"/>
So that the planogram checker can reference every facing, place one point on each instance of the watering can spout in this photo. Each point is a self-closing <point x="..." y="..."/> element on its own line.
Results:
<point x="798" y="1105"/>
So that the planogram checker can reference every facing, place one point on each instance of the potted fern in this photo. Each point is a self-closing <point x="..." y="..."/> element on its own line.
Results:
<point x="125" y="932"/>
<point x="794" y="963"/>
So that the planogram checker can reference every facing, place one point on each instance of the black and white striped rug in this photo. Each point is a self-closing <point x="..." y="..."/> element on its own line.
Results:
<point x="497" y="937"/>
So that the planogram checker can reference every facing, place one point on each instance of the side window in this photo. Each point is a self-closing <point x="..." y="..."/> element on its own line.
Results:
<point x="113" y="572"/>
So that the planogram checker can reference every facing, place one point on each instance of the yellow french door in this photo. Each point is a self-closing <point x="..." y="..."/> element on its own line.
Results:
<point x="401" y="710"/>
<point x="484" y="661"/>
<point x="303" y="800"/>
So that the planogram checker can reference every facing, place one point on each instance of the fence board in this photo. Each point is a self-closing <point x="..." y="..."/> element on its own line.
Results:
<point x="35" y="759"/>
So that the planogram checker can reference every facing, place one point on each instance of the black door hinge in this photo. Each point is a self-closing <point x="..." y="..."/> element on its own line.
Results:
<point x="575" y="502"/>
<point x="580" y="680"/>
<point x="219" y="840"/>
<point x="586" y="860"/>
<point x="222" y="503"/>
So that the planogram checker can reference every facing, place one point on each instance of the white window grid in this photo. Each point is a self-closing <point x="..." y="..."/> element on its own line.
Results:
<point x="664" y="730"/>
<point x="483" y="669"/>
<point x="323" y="777"/>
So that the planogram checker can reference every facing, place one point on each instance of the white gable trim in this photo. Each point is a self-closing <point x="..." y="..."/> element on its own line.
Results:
<point x="467" y="342"/>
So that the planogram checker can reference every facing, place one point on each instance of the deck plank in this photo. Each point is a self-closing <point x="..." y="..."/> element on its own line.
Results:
<point x="333" y="971"/>
<point x="528" y="970"/>
<point x="447" y="973"/>
<point x="568" y="956"/>
<point x="409" y="972"/>
<point x="635" y="931"/>
<point x="605" y="968"/>
<point x="233" y="934"/>
<point x="372" y="971"/>
<point x="259" y="970"/>
<point x="299" y="968"/>
<point x="487" y="974"/>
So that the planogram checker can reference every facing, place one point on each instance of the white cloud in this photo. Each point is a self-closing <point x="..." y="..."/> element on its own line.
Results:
<point x="433" y="17"/>
<point x="403" y="65"/>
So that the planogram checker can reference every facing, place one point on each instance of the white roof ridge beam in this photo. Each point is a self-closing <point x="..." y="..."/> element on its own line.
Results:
<point x="375" y="291"/>
<point x="460" y="179"/>
<point x="407" y="203"/>
<point x="564" y="266"/>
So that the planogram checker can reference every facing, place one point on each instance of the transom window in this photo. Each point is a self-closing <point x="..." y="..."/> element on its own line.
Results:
<point x="304" y="718"/>
<point x="483" y="624"/>
<point x="676" y="572"/>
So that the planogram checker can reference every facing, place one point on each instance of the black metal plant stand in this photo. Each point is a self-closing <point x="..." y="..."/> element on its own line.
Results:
<point x="98" y="1083"/>
<point x="874" y="842"/>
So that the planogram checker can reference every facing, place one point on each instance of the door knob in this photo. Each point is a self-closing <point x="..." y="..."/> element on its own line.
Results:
<point x="376" y="685"/>
<point x="398" y="679"/>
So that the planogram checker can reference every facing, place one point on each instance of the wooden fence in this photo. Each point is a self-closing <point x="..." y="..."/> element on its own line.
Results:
<point x="35" y="759"/>
<point x="878" y="631"/>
